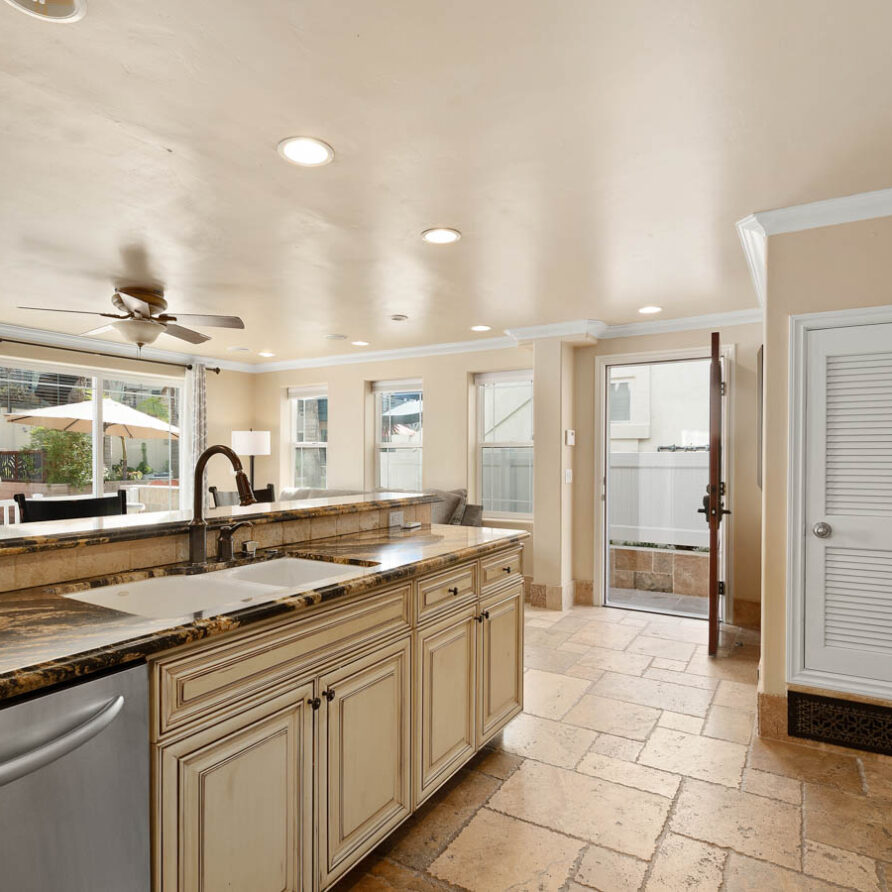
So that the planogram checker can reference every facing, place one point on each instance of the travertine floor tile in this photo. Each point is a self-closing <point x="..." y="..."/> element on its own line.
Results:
<point x="672" y="665"/>
<point x="548" y="658"/>
<point x="682" y="863"/>
<point x="752" y="825"/>
<point x="417" y="842"/>
<point x="841" y="867"/>
<point x="774" y="786"/>
<point x="684" y="678"/>
<point x="616" y="636"/>
<point x="496" y="852"/>
<point x="690" y="631"/>
<point x="855" y="823"/>
<point x="730" y="724"/>
<point x="613" y="717"/>
<point x="549" y="695"/>
<point x="878" y="776"/>
<point x="748" y="875"/>
<point x="617" y="747"/>
<point x="658" y="694"/>
<point x="806" y="763"/>
<point x="629" y="774"/>
<point x="600" y="614"/>
<point x="553" y="742"/>
<point x="580" y="671"/>
<point x="615" y="660"/>
<point x="744" y="671"/>
<point x="609" y="815"/>
<point x="678" y="722"/>
<point x="661" y="647"/>
<point x="716" y="761"/>
<point x="496" y="763"/>
<point x="376" y="874"/>
<point x="736" y="695"/>
<point x="546" y="637"/>
<point x="603" y="869"/>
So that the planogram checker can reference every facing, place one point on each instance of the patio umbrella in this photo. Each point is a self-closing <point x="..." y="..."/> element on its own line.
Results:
<point x="118" y="420"/>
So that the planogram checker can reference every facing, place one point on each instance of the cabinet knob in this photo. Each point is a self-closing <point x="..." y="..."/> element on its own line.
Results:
<point x="480" y="618"/>
<point x="315" y="702"/>
<point x="453" y="590"/>
<point x="507" y="569"/>
<point x="329" y="694"/>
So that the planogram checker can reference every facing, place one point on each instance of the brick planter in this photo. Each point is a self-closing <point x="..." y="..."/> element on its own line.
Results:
<point x="660" y="570"/>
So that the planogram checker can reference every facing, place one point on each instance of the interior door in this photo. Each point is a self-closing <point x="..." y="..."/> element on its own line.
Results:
<point x="714" y="503"/>
<point x="848" y="502"/>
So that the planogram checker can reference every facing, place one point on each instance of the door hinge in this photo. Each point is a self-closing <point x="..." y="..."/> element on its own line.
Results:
<point x="724" y="388"/>
<point x="721" y="588"/>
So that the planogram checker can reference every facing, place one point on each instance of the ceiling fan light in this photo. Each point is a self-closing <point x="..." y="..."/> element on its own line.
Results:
<point x="139" y="331"/>
<point x="60" y="11"/>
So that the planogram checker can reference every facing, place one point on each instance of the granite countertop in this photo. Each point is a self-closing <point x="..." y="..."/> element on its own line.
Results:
<point x="26" y="539"/>
<point x="48" y="639"/>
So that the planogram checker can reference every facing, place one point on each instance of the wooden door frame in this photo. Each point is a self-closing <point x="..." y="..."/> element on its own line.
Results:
<point x="602" y="364"/>
<point x="797" y="673"/>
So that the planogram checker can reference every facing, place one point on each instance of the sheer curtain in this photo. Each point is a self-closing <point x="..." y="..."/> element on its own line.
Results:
<point x="196" y="430"/>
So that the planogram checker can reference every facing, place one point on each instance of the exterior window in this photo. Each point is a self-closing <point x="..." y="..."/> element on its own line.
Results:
<point x="399" y="417"/>
<point x="620" y="401"/>
<point x="309" y="413"/>
<point x="66" y="433"/>
<point x="505" y="437"/>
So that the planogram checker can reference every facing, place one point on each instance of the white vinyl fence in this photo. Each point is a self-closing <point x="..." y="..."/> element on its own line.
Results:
<point x="654" y="497"/>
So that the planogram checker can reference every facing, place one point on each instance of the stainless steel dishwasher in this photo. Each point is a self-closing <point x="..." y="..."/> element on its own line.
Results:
<point x="74" y="788"/>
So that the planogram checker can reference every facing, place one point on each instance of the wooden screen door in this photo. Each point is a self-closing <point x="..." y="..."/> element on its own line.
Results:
<point x="714" y="502"/>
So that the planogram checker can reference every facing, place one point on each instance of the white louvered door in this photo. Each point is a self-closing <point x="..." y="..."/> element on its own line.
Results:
<point x="848" y="562"/>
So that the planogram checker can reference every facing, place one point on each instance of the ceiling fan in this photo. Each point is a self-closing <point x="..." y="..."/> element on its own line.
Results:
<point x="142" y="318"/>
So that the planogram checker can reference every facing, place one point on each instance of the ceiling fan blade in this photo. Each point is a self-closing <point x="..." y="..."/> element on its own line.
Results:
<point x="134" y="304"/>
<point x="97" y="331"/>
<point x="212" y="321"/>
<point x="78" y="312"/>
<point x="185" y="334"/>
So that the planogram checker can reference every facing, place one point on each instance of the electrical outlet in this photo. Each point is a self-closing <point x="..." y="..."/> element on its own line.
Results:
<point x="396" y="519"/>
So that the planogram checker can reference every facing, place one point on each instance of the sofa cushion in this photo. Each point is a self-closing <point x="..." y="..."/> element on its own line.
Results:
<point x="450" y="503"/>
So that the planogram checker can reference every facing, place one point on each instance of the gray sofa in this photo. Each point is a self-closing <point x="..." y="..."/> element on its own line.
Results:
<point x="451" y="508"/>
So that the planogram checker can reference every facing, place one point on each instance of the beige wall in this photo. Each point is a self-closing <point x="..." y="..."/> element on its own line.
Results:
<point x="833" y="268"/>
<point x="230" y="406"/>
<point x="745" y="498"/>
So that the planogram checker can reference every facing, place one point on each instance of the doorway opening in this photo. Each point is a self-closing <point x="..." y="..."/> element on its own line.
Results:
<point x="657" y="451"/>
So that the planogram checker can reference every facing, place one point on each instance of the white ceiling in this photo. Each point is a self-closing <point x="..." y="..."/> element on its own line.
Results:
<point x="595" y="156"/>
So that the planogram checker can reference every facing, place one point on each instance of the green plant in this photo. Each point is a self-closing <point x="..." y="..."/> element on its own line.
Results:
<point x="67" y="456"/>
<point x="155" y="406"/>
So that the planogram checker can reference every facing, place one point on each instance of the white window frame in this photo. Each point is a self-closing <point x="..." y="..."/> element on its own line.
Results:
<point x="98" y="378"/>
<point x="396" y="386"/>
<point x="308" y="392"/>
<point x="480" y="380"/>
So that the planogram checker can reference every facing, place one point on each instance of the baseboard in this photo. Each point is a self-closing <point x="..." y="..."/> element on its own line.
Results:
<point x="552" y="597"/>
<point x="748" y="614"/>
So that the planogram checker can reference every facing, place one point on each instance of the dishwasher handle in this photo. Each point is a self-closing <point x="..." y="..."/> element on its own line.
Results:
<point x="42" y="755"/>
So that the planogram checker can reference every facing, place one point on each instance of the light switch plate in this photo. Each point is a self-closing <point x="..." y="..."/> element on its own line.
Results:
<point x="570" y="437"/>
<point x="568" y="475"/>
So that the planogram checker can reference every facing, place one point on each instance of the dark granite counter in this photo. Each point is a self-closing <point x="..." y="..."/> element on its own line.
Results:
<point x="48" y="639"/>
<point x="32" y="537"/>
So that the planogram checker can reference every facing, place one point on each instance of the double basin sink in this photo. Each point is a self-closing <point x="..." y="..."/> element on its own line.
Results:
<point x="218" y="591"/>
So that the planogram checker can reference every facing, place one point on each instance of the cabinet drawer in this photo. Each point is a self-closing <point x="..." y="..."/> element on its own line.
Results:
<point x="221" y="676"/>
<point x="437" y="593"/>
<point x="504" y="567"/>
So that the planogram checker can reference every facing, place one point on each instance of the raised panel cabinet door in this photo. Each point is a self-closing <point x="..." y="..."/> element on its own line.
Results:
<point x="364" y="765"/>
<point x="500" y="660"/>
<point x="445" y="700"/>
<point x="236" y="802"/>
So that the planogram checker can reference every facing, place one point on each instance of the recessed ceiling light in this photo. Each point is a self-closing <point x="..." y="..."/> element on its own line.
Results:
<point x="399" y="317"/>
<point x="237" y="349"/>
<point x="481" y="328"/>
<point x="360" y="343"/>
<point x="335" y="337"/>
<point x="60" y="11"/>
<point x="441" y="236"/>
<point x="265" y="354"/>
<point x="648" y="311"/>
<point x="306" y="151"/>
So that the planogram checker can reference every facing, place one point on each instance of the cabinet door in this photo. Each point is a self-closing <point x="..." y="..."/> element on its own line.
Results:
<point x="445" y="700"/>
<point x="500" y="661"/>
<point x="364" y="770"/>
<point x="236" y="802"/>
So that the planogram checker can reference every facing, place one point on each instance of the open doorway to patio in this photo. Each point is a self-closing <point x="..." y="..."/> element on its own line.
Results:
<point x="656" y="447"/>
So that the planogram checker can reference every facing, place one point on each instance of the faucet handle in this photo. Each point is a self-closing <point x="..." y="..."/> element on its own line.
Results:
<point x="230" y="528"/>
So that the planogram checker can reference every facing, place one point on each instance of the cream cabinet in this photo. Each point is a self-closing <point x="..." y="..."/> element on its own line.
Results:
<point x="284" y="754"/>
<point x="364" y="777"/>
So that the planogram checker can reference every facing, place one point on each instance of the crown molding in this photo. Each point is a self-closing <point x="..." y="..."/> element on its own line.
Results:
<point x="754" y="230"/>
<point x="584" y="330"/>
<point x="685" y="323"/>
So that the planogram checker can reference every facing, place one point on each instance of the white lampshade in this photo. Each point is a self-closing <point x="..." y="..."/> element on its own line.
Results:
<point x="250" y="442"/>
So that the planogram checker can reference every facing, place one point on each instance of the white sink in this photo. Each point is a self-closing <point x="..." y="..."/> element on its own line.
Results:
<point x="296" y="573"/>
<point x="176" y="595"/>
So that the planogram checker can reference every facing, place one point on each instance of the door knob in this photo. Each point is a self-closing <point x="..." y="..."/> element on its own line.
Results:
<point x="822" y="530"/>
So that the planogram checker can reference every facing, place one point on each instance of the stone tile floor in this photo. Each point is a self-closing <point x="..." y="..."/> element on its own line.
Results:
<point x="660" y="602"/>
<point x="634" y="766"/>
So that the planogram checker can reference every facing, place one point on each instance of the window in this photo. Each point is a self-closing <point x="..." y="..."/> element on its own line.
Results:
<point x="399" y="412"/>
<point x="76" y="432"/>
<point x="505" y="435"/>
<point x="309" y="425"/>
<point x="620" y="401"/>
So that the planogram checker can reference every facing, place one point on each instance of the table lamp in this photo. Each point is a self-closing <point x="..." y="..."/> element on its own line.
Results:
<point x="251" y="443"/>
